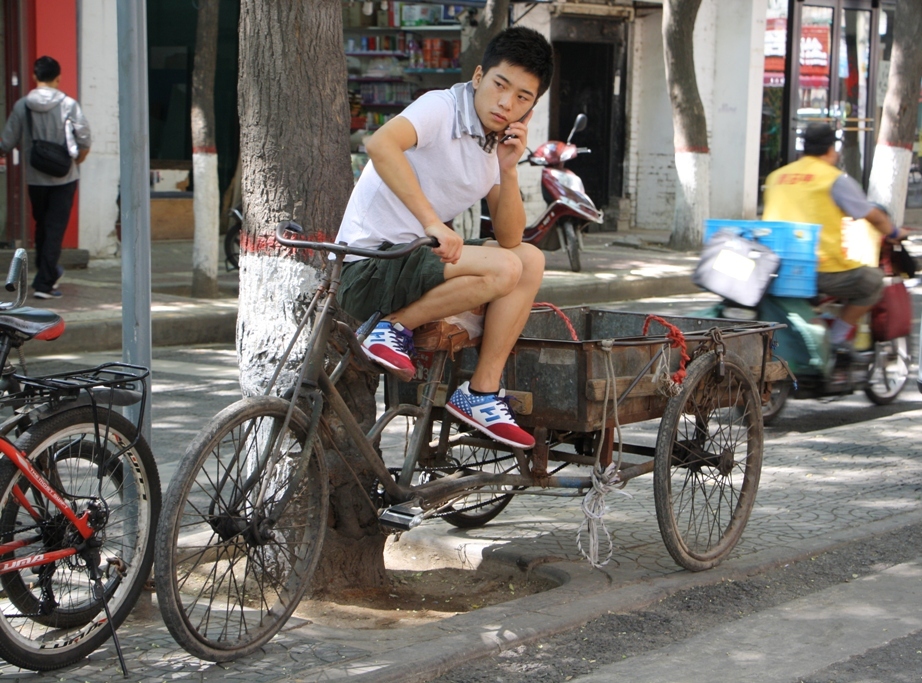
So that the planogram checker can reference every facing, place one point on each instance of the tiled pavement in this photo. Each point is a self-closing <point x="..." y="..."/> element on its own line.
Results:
<point x="817" y="490"/>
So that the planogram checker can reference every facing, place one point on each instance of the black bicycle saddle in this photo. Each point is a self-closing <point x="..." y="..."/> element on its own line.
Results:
<point x="31" y="323"/>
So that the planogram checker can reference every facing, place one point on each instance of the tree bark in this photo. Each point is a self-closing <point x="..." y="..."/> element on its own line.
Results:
<point x="693" y="156"/>
<point x="893" y="153"/>
<point x="294" y="140"/>
<point x="206" y="199"/>
<point x="489" y="21"/>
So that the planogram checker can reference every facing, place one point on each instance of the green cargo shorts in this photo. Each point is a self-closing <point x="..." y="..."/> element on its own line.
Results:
<point x="387" y="285"/>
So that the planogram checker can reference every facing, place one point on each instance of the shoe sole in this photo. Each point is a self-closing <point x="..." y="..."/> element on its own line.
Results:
<point x="401" y="374"/>
<point x="455" y="412"/>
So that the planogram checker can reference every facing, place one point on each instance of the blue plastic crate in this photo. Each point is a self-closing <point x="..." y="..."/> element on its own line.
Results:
<point x="795" y="243"/>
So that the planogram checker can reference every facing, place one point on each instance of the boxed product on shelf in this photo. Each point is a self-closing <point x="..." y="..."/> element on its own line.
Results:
<point x="419" y="15"/>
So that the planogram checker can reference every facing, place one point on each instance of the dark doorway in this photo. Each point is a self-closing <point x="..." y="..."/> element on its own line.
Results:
<point x="588" y="81"/>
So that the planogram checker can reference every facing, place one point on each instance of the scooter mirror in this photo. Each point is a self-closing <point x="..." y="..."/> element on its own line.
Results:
<point x="578" y="125"/>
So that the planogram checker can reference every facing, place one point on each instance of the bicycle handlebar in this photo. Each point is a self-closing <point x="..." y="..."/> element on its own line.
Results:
<point x="16" y="266"/>
<point x="16" y="279"/>
<point x="343" y="248"/>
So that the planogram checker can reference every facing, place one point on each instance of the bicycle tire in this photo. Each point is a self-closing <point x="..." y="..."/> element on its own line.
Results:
<point x="707" y="462"/>
<point x="77" y="625"/>
<point x="232" y="245"/>
<point x="479" y="507"/>
<point x="208" y="544"/>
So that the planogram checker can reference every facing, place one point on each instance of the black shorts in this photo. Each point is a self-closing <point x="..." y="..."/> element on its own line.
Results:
<point x="387" y="285"/>
<point x="860" y="286"/>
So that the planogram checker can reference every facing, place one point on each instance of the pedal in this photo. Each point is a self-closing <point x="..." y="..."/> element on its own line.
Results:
<point x="401" y="517"/>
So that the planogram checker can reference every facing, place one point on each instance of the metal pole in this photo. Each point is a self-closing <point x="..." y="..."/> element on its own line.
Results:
<point x="134" y="150"/>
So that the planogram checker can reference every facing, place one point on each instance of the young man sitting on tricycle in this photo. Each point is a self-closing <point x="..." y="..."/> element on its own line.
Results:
<point x="444" y="153"/>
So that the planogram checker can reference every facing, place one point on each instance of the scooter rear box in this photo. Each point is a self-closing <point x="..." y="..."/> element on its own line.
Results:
<point x="795" y="243"/>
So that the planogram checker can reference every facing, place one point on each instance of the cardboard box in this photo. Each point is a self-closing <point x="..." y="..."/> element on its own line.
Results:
<point x="419" y="15"/>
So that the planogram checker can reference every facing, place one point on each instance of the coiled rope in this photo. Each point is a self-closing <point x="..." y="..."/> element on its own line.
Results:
<point x="594" y="505"/>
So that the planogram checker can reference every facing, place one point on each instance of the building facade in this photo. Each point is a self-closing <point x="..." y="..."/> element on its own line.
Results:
<point x="764" y="69"/>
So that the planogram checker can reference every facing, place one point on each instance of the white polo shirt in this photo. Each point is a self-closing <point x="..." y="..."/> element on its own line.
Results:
<point x="453" y="170"/>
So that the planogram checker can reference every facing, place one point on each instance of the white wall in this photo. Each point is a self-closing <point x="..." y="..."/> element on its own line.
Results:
<point x="728" y="64"/>
<point x="539" y="19"/>
<point x="99" y="174"/>
<point x="735" y="111"/>
<point x="651" y="161"/>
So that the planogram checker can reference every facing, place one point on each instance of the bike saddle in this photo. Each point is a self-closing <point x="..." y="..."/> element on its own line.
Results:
<point x="31" y="323"/>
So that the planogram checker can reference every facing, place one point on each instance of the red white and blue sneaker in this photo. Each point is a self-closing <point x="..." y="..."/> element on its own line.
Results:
<point x="491" y="414"/>
<point x="390" y="345"/>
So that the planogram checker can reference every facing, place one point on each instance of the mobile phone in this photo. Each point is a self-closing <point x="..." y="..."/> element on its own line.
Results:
<point x="509" y="137"/>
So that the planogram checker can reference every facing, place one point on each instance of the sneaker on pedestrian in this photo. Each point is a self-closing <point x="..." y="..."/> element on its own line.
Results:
<point x="60" y="277"/>
<point x="491" y="414"/>
<point x="53" y="294"/>
<point x="390" y="345"/>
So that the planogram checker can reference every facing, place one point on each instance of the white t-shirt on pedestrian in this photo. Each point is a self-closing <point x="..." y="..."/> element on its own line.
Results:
<point x="453" y="172"/>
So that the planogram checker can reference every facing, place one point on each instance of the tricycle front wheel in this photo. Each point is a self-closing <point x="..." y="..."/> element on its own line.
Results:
<point x="707" y="462"/>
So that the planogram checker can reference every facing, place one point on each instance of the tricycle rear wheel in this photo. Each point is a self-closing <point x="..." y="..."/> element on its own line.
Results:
<point x="707" y="462"/>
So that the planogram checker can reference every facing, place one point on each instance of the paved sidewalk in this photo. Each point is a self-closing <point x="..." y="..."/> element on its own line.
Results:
<point x="91" y="305"/>
<point x="817" y="491"/>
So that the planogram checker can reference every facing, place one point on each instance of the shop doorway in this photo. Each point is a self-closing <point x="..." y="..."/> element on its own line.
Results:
<point x="12" y="189"/>
<point x="588" y="80"/>
<point x="834" y="78"/>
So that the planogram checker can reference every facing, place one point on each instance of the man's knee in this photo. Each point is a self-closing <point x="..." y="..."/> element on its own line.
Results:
<point x="871" y="287"/>
<point x="532" y="259"/>
<point x="505" y="273"/>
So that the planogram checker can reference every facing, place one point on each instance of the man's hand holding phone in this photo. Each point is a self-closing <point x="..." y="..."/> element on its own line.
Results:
<point x="513" y="141"/>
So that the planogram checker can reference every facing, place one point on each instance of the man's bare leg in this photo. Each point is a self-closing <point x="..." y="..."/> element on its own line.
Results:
<point x="507" y="279"/>
<point x="505" y="319"/>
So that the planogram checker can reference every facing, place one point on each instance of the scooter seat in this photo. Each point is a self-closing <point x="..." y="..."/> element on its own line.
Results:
<point x="31" y="323"/>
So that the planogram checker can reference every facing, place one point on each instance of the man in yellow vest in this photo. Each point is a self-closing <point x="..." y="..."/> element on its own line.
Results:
<point x="814" y="190"/>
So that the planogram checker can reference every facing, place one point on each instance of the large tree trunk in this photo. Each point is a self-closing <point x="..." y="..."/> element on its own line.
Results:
<point x="692" y="155"/>
<point x="294" y="140"/>
<point x="486" y="23"/>
<point x="893" y="154"/>
<point x="206" y="199"/>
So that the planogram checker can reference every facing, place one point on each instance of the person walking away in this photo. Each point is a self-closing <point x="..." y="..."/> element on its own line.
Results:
<point x="814" y="190"/>
<point x="48" y="114"/>
<point x="445" y="152"/>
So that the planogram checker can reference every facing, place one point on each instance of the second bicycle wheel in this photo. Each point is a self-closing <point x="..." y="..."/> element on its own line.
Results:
<point x="707" y="462"/>
<point x="237" y="545"/>
<point x="49" y="616"/>
<point x="479" y="506"/>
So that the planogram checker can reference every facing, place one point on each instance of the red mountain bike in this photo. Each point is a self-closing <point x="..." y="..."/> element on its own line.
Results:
<point x="79" y="496"/>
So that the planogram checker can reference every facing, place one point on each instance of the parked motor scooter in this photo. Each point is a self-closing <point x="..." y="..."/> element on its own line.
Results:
<point x="569" y="210"/>
<point x="879" y="367"/>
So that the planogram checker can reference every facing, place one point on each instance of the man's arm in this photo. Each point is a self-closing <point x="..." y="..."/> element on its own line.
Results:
<point x="386" y="150"/>
<point x="505" y="199"/>
<point x="12" y="132"/>
<point x="848" y="196"/>
<point x="507" y="210"/>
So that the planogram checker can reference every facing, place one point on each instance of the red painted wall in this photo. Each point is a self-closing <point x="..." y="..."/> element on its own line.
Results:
<point x="53" y="32"/>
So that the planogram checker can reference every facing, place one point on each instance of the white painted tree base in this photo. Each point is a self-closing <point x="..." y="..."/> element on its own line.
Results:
<point x="268" y="316"/>
<point x="889" y="181"/>
<point x="693" y="198"/>
<point x="206" y="207"/>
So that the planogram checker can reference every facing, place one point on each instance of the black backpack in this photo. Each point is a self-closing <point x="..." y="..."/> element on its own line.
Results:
<point x="51" y="158"/>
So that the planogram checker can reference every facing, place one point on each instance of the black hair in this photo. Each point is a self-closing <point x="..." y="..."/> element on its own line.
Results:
<point x="525" y="48"/>
<point x="46" y="69"/>
<point x="818" y="138"/>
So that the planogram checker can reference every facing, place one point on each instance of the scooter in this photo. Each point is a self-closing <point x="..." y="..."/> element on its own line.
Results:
<point x="879" y="367"/>
<point x="569" y="211"/>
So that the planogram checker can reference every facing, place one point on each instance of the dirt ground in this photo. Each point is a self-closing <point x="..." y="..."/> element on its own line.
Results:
<point x="420" y="597"/>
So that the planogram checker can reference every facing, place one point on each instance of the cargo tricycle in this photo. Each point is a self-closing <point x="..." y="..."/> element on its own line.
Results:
<point x="246" y="511"/>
